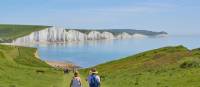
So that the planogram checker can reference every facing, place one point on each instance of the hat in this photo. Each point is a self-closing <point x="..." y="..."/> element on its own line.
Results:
<point x="93" y="71"/>
<point x="76" y="73"/>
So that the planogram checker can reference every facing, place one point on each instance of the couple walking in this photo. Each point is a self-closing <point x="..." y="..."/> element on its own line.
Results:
<point x="93" y="79"/>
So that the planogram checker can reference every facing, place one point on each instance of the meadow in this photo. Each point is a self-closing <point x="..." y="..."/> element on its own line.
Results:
<point x="20" y="68"/>
<point x="164" y="67"/>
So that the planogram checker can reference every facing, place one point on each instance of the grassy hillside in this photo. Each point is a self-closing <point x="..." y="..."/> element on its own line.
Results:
<point x="164" y="67"/>
<point x="20" y="68"/>
<point x="10" y="32"/>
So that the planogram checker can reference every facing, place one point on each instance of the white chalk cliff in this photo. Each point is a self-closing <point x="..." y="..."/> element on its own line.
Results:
<point x="61" y="35"/>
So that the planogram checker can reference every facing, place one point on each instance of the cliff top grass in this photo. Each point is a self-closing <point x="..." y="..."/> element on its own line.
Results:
<point x="20" y="68"/>
<point x="164" y="67"/>
<point x="10" y="32"/>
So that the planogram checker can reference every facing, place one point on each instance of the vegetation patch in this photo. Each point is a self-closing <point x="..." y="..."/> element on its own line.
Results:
<point x="191" y="63"/>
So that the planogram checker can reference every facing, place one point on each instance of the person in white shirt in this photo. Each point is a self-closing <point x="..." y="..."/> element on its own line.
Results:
<point x="76" y="80"/>
<point x="93" y="79"/>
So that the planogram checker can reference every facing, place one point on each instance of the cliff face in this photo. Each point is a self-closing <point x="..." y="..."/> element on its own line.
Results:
<point x="61" y="35"/>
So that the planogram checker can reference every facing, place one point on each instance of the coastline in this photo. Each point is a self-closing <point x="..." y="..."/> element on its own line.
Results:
<point x="58" y="64"/>
<point x="37" y="55"/>
<point x="55" y="64"/>
<point x="62" y="65"/>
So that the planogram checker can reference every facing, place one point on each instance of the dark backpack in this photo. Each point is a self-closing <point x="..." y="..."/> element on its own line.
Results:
<point x="94" y="82"/>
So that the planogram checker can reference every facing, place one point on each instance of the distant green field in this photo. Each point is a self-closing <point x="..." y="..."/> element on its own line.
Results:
<point x="10" y="32"/>
<point x="20" y="68"/>
<point x="164" y="67"/>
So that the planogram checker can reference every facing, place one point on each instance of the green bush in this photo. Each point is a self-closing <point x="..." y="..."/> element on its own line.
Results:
<point x="190" y="64"/>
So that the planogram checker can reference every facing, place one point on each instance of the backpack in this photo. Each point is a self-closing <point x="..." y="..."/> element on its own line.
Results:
<point x="76" y="82"/>
<point x="94" y="82"/>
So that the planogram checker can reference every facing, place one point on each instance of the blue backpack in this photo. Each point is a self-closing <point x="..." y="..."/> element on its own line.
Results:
<point x="94" y="82"/>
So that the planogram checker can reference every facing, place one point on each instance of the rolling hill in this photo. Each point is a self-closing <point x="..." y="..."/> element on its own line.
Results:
<point x="164" y="67"/>
<point x="20" y="68"/>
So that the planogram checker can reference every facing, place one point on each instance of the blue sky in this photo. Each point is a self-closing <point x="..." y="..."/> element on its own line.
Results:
<point x="174" y="16"/>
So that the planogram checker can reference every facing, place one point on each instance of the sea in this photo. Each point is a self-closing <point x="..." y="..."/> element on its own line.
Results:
<point x="91" y="53"/>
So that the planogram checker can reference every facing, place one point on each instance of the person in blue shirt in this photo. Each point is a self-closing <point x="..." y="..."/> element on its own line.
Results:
<point x="94" y="79"/>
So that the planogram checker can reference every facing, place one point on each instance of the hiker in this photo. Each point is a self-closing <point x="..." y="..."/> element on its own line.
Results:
<point x="93" y="79"/>
<point x="76" y="80"/>
<point x="66" y="70"/>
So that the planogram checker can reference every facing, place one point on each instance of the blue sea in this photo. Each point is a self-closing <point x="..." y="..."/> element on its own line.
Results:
<point x="91" y="53"/>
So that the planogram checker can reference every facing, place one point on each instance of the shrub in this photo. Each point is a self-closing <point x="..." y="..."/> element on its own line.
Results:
<point x="1" y="55"/>
<point x="190" y="64"/>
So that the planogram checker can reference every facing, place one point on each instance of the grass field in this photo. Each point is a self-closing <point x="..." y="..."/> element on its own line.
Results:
<point x="11" y="32"/>
<point x="20" y="68"/>
<point x="164" y="67"/>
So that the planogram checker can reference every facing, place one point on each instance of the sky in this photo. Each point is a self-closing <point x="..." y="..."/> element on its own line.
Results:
<point x="181" y="17"/>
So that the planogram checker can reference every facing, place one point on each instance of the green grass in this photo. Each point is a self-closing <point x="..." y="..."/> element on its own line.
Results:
<point x="19" y="66"/>
<point x="164" y="67"/>
<point x="11" y="32"/>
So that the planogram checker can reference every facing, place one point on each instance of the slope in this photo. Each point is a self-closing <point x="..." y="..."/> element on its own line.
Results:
<point x="20" y="68"/>
<point x="164" y="67"/>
